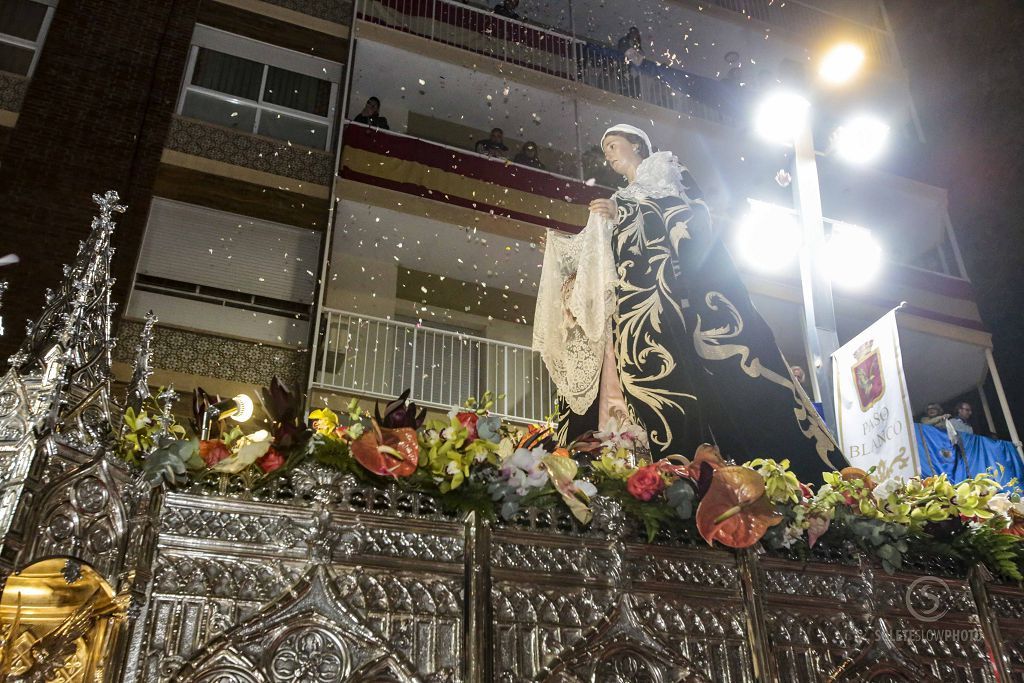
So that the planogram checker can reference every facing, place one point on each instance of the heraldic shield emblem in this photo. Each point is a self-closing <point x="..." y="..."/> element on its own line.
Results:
<point x="867" y="375"/>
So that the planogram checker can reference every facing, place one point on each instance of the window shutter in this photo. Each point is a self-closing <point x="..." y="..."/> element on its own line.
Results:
<point x="201" y="246"/>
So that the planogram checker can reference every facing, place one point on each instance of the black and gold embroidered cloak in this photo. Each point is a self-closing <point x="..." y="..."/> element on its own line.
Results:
<point x="695" y="360"/>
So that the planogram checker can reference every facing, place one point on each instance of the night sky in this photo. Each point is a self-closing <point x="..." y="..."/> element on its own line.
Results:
<point x="965" y="61"/>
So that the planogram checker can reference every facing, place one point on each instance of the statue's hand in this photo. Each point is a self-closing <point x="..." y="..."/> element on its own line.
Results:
<point x="604" y="207"/>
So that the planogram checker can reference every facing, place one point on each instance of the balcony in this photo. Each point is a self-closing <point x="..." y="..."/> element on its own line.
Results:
<point x="385" y="231"/>
<point x="381" y="159"/>
<point x="377" y="358"/>
<point x="222" y="145"/>
<point x="558" y="54"/>
<point x="677" y="75"/>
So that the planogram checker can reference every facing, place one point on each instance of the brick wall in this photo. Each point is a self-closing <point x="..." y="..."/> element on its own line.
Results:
<point x="94" y="117"/>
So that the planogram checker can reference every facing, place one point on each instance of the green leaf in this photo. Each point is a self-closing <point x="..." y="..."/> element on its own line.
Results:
<point x="681" y="495"/>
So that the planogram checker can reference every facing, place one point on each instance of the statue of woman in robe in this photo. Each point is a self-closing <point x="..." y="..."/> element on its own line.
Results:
<point x="642" y="317"/>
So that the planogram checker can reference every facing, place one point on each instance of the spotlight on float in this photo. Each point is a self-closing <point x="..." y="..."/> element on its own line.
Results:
<point x="769" y="236"/>
<point x="853" y="256"/>
<point x="239" y="409"/>
<point x="861" y="139"/>
<point x="781" y="115"/>
<point x="841" y="64"/>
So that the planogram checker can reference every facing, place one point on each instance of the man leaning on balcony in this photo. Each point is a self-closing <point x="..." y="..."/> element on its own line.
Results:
<point x="493" y="146"/>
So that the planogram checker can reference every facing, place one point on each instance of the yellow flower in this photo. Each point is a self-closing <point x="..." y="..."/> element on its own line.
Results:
<point x="325" y="421"/>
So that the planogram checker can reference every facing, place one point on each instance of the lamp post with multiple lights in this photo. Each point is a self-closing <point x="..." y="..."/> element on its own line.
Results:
<point x="785" y="117"/>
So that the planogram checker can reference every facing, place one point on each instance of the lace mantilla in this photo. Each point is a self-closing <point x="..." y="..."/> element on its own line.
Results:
<point x="657" y="176"/>
<point x="572" y="324"/>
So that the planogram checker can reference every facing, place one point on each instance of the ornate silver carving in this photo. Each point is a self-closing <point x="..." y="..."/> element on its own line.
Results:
<point x="1008" y="606"/>
<point x="620" y="649"/>
<point x="835" y="586"/>
<point x="694" y="572"/>
<point x="308" y="634"/>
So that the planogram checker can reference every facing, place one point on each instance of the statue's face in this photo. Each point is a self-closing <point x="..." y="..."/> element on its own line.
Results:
<point x="621" y="155"/>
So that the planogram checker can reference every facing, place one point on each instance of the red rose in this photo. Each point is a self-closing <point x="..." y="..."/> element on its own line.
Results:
<point x="212" y="451"/>
<point x="271" y="461"/>
<point x="468" y="420"/>
<point x="645" y="483"/>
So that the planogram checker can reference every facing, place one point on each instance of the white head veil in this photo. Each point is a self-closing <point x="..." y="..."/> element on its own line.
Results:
<point x="632" y="130"/>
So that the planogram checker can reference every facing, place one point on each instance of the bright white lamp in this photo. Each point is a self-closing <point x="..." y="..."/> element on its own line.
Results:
<point x="769" y="237"/>
<point x="239" y="409"/>
<point x="861" y="139"/>
<point x="853" y="255"/>
<point x="245" y="408"/>
<point x="841" y="64"/>
<point x="781" y="115"/>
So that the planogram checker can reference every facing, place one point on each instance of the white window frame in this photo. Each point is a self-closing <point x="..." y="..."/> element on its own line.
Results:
<point x="37" y="44"/>
<point x="268" y="55"/>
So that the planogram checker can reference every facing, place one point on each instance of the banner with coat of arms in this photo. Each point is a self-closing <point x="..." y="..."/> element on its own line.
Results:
<point x="872" y="406"/>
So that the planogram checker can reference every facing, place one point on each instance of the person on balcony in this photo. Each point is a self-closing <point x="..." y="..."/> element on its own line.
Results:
<point x="370" y="115"/>
<point x="507" y="8"/>
<point x="631" y="46"/>
<point x="962" y="422"/>
<point x="934" y="415"/>
<point x="493" y="146"/>
<point x="643" y="317"/>
<point x="527" y="156"/>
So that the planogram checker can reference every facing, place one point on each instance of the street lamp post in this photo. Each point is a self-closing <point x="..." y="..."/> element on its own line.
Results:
<point x="785" y="117"/>
<point x="819" y="314"/>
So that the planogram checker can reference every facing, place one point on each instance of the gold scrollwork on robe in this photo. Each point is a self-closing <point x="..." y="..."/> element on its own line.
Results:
<point x="711" y="345"/>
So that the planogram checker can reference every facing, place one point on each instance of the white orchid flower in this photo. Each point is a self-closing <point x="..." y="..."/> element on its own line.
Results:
<point x="886" y="489"/>
<point x="248" y="450"/>
<point x="1000" y="504"/>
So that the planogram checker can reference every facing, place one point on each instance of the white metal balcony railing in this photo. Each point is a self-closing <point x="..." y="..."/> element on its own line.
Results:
<point x="379" y="358"/>
<point x="543" y="49"/>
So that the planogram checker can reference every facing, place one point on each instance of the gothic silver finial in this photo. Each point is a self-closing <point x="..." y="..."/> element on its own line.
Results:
<point x="138" y="387"/>
<point x="166" y="398"/>
<point x="78" y="313"/>
<point x="108" y="203"/>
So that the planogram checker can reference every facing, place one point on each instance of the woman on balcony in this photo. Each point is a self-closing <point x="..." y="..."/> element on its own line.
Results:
<point x="643" y="317"/>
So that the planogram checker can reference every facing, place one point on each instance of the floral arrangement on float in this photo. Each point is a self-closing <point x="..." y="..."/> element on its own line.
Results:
<point x="474" y="461"/>
<point x="170" y="453"/>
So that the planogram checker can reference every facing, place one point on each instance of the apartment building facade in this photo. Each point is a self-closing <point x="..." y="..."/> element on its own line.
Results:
<point x="274" y="234"/>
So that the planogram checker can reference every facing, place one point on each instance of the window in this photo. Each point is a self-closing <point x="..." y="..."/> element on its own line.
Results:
<point x="23" y="25"/>
<point x="227" y="274"/>
<point x="259" y="88"/>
